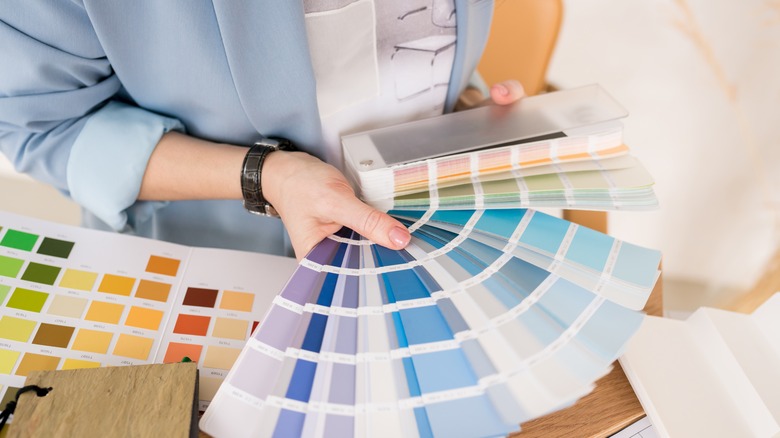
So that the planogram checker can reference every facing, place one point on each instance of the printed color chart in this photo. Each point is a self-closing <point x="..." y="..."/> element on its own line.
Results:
<point x="75" y="298"/>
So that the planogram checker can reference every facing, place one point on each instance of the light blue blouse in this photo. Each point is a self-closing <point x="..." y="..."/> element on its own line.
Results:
<point x="88" y="87"/>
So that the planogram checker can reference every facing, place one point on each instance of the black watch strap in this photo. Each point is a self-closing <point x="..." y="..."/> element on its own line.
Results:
<point x="251" y="174"/>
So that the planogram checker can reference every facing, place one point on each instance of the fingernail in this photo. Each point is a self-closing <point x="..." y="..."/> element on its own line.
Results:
<point x="400" y="236"/>
<point x="502" y="89"/>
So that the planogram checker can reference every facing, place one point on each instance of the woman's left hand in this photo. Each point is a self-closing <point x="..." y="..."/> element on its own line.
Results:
<point x="502" y="93"/>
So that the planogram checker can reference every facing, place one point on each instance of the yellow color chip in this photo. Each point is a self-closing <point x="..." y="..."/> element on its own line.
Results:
<point x="93" y="341"/>
<point x="153" y="290"/>
<point x="79" y="280"/>
<point x="241" y="301"/>
<point x="8" y="359"/>
<point x="16" y="329"/>
<point x="135" y="347"/>
<point x="221" y="358"/>
<point x="75" y="364"/>
<point x="71" y="307"/>
<point x="230" y="328"/>
<point x="144" y="318"/>
<point x="100" y="311"/>
<point x="36" y="362"/>
<point x="117" y="285"/>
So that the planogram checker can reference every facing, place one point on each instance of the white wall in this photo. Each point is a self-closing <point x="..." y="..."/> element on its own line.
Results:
<point x="701" y="80"/>
<point x="20" y="194"/>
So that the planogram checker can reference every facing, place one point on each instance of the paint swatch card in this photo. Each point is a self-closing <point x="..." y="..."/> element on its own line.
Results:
<point x="713" y="374"/>
<point x="76" y="298"/>
<point x="466" y="332"/>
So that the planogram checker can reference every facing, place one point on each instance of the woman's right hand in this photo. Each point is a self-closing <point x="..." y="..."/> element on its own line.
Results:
<point x="315" y="200"/>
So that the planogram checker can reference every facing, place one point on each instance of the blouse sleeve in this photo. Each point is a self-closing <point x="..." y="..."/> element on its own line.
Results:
<point x="60" y="120"/>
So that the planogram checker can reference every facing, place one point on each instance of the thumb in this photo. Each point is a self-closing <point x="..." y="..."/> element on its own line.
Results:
<point x="506" y="92"/>
<point x="372" y="224"/>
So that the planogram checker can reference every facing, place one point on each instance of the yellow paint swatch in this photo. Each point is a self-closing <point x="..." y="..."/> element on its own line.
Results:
<point x="75" y="364"/>
<point x="36" y="362"/>
<point x="100" y="311"/>
<point x="135" y="347"/>
<point x="144" y="318"/>
<point x="117" y="285"/>
<point x="79" y="280"/>
<point x="241" y="301"/>
<point x="16" y="329"/>
<point x="93" y="341"/>
<point x="8" y="359"/>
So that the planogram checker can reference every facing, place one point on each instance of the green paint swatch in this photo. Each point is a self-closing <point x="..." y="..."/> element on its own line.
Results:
<point x="55" y="247"/>
<point x="3" y="292"/>
<point x="10" y="267"/>
<point x="39" y="273"/>
<point x="26" y="299"/>
<point x="19" y="240"/>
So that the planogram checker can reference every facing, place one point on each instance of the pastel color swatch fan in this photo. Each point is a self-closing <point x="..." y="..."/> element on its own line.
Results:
<point x="492" y="316"/>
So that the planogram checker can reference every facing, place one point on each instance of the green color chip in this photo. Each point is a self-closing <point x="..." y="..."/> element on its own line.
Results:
<point x="55" y="247"/>
<point x="29" y="300"/>
<point x="39" y="273"/>
<point x="10" y="267"/>
<point x="3" y="293"/>
<point x="19" y="240"/>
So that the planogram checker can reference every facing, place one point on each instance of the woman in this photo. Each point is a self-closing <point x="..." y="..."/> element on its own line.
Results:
<point x="142" y="111"/>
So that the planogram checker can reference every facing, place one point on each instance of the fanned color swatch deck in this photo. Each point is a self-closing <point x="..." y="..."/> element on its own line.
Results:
<point x="488" y="319"/>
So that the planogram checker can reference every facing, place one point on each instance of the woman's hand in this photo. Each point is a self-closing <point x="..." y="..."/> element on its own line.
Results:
<point x="501" y="93"/>
<point x="315" y="200"/>
<point x="506" y="92"/>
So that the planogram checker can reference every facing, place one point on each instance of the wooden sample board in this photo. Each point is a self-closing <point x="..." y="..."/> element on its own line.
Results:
<point x="137" y="401"/>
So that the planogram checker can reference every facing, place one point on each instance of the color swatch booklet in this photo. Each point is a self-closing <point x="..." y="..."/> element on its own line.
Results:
<point x="493" y="315"/>
<point x="77" y="298"/>
<point x="562" y="149"/>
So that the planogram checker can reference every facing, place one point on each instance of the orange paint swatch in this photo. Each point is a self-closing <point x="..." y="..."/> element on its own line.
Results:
<point x="192" y="325"/>
<point x="93" y="341"/>
<point x="134" y="347"/>
<point x="177" y="351"/>
<point x="241" y="301"/>
<point x="100" y="311"/>
<point x="163" y="265"/>
<point x="144" y="318"/>
<point x="153" y="290"/>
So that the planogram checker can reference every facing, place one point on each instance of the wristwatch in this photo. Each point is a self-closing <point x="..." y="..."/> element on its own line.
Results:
<point x="251" y="174"/>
